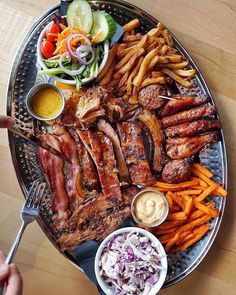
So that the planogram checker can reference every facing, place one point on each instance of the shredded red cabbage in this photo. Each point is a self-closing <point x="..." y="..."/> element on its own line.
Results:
<point x="130" y="264"/>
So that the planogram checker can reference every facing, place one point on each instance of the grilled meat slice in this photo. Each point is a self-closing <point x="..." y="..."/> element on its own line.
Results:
<point x="192" y="128"/>
<point x="182" y="103"/>
<point x="53" y="167"/>
<point x="128" y="193"/>
<point x="105" y="162"/>
<point x="89" y="175"/>
<point x="153" y="125"/>
<point x="110" y="132"/>
<point x="189" y="115"/>
<point x="186" y="147"/>
<point x="96" y="219"/>
<point x="133" y="150"/>
<point x="69" y="149"/>
<point x="148" y="96"/>
<point x="176" y="171"/>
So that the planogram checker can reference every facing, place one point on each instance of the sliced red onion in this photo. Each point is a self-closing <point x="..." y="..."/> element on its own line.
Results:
<point x="70" y="72"/>
<point x="68" y="47"/>
<point x="81" y="56"/>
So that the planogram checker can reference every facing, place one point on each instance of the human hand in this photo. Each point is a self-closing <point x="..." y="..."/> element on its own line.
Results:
<point x="12" y="276"/>
<point x="6" y="121"/>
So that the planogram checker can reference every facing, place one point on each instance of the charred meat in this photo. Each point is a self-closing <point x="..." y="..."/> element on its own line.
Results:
<point x="148" y="96"/>
<point x="176" y="171"/>
<point x="133" y="150"/>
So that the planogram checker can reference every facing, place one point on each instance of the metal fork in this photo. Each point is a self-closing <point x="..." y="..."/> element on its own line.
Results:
<point x="29" y="213"/>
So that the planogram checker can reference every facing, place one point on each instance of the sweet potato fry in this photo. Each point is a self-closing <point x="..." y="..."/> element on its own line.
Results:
<point x="170" y="224"/>
<point x="211" y="212"/>
<point x="170" y="202"/>
<point x="190" y="192"/>
<point x="171" y="242"/>
<point x="144" y="67"/>
<point x="133" y="24"/>
<point x="185" y="73"/>
<point x="177" y="216"/>
<point x="177" y="199"/>
<point x="177" y="185"/>
<point x="161" y="232"/>
<point x="189" y="206"/>
<point x="203" y="170"/>
<point x="206" y="193"/>
<point x="196" y="222"/>
<point x="182" y="236"/>
<point x="201" y="182"/>
<point x="177" y="78"/>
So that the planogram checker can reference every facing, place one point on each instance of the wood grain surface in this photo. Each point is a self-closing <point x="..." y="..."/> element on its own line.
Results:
<point x="207" y="29"/>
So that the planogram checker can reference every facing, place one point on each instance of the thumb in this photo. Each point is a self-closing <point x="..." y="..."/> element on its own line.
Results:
<point x="4" y="269"/>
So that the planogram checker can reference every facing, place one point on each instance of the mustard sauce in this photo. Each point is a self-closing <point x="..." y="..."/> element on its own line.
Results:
<point x="46" y="102"/>
<point x="149" y="207"/>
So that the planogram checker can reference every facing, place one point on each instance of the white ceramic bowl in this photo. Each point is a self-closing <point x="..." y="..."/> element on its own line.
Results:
<point x="65" y="81"/>
<point x="158" y="247"/>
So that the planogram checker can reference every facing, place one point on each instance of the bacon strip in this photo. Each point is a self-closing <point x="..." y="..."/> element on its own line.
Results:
<point x="153" y="125"/>
<point x="110" y="132"/>
<point x="133" y="150"/>
<point x="182" y="103"/>
<point x="189" y="115"/>
<point x="192" y="128"/>
<point x="53" y="167"/>
<point x="69" y="149"/>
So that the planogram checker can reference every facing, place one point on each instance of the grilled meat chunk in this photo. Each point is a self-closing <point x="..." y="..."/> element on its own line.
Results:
<point x="153" y="126"/>
<point x="105" y="162"/>
<point x="176" y="171"/>
<point x="148" y="96"/>
<point x="121" y="164"/>
<point x="182" y="103"/>
<point x="192" y="128"/>
<point x="53" y="167"/>
<point x="188" y="115"/>
<point x="179" y="148"/>
<point x="133" y="150"/>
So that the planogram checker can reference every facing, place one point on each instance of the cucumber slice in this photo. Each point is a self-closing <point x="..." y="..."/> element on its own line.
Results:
<point x="79" y="15"/>
<point x="104" y="26"/>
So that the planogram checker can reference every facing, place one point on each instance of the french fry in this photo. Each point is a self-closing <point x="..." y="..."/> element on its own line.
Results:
<point x="177" y="78"/>
<point x="175" y="58"/>
<point x="133" y="24"/>
<point x="107" y="78"/>
<point x="167" y="37"/>
<point x="113" y="83"/>
<point x="144" y="67"/>
<point x="132" y="61"/>
<point x="197" y="236"/>
<point x="111" y="57"/>
<point x="176" y="186"/>
<point x="153" y="62"/>
<point x="211" y="212"/>
<point x="170" y="202"/>
<point x="190" y="192"/>
<point x="125" y="59"/>
<point x="150" y="81"/>
<point x="206" y="193"/>
<point x="156" y="31"/>
<point x="132" y="75"/>
<point x="123" y="80"/>
<point x="164" y="49"/>
<point x="189" y="206"/>
<point x="175" y="66"/>
<point x="124" y="51"/>
<point x="171" y="242"/>
<point x="177" y="216"/>
<point x="151" y="47"/>
<point x="185" y="73"/>
<point x="175" y="208"/>
<point x="159" y="40"/>
<point x="203" y="170"/>
<point x="132" y="38"/>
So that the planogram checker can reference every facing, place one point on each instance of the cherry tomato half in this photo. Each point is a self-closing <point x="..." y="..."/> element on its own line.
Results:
<point x="52" y="32"/>
<point x="47" y="48"/>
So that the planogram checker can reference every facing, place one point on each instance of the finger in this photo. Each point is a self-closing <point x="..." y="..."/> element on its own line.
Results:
<point x="4" y="268"/>
<point x="2" y="257"/>
<point x="6" y="122"/>
<point x="15" y="283"/>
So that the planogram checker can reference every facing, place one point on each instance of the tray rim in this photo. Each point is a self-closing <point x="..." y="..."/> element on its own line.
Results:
<point x="204" y="84"/>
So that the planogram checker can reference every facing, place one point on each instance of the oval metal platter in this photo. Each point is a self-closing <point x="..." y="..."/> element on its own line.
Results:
<point x="24" y="156"/>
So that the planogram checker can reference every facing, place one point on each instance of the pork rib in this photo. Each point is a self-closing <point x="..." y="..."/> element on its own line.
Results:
<point x="133" y="150"/>
<point x="182" y="103"/>
<point x="186" y="147"/>
<point x="69" y="149"/>
<point x="105" y="162"/>
<point x="192" y="128"/>
<point x="110" y="132"/>
<point x="53" y="167"/>
<point x="189" y="115"/>
<point x="153" y="125"/>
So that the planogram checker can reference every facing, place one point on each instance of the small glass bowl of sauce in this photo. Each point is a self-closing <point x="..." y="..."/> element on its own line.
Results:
<point x="149" y="208"/>
<point x="45" y="101"/>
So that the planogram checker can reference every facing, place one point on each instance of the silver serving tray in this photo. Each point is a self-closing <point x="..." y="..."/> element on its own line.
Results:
<point x="24" y="156"/>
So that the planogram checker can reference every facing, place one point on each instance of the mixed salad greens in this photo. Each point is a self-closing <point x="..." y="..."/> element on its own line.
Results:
<point x="130" y="264"/>
<point x="74" y="46"/>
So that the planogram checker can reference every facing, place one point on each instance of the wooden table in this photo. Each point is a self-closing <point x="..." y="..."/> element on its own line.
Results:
<point x="207" y="30"/>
